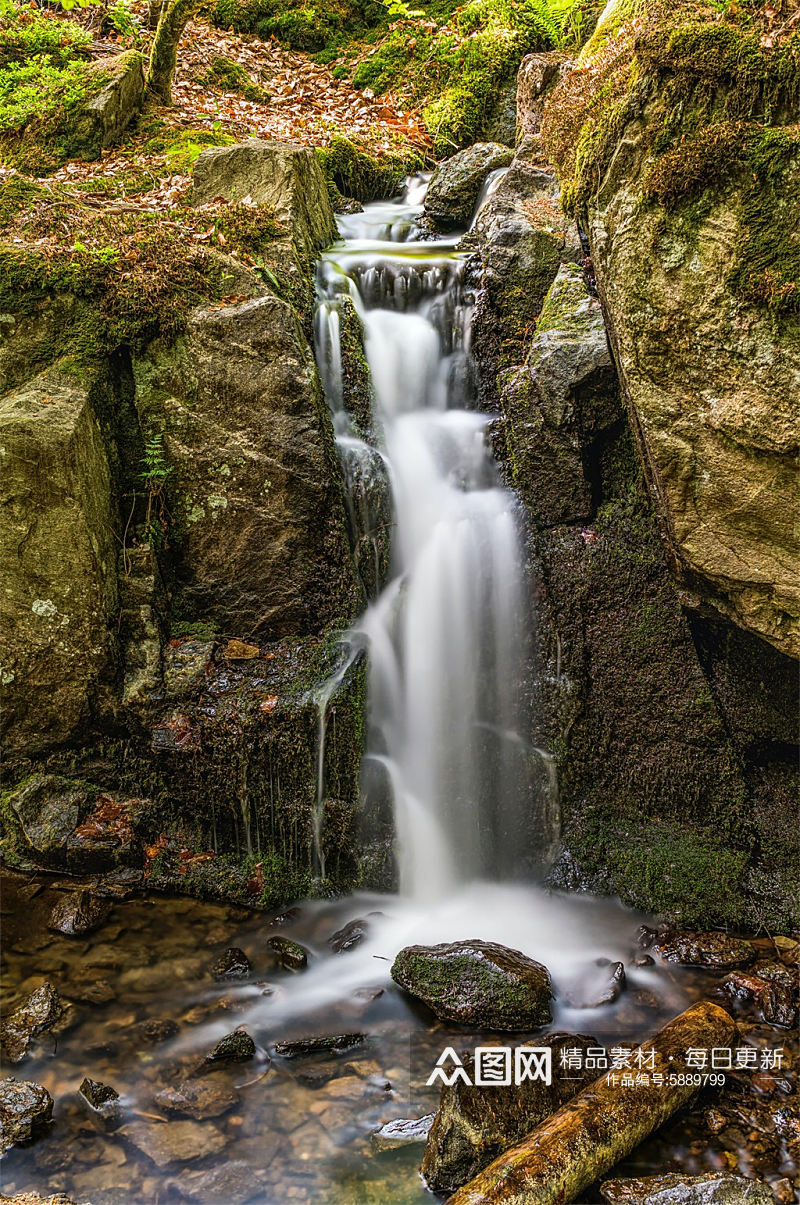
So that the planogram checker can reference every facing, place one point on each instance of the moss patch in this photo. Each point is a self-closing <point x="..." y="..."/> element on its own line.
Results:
<point x="358" y="173"/>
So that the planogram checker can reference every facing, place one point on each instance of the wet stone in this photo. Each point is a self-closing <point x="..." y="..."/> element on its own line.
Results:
<point x="476" y="983"/>
<point x="79" y="913"/>
<point x="157" y="1029"/>
<point x="40" y="1012"/>
<point x="198" y="1098"/>
<point x="25" y="1107"/>
<point x="402" y="1132"/>
<point x="233" y="964"/>
<point x="599" y="984"/>
<point x="676" y="1189"/>
<point x="174" y="1141"/>
<point x="316" y="1045"/>
<point x="234" y="1183"/>
<point x="100" y="1098"/>
<point x="285" y="918"/>
<point x="349" y="936"/>
<point x="235" y="1047"/>
<point x="48" y="807"/>
<point x="718" y="950"/>
<point x="186" y="666"/>
<point x="644" y="960"/>
<point x="101" y="991"/>
<point x="290" y="954"/>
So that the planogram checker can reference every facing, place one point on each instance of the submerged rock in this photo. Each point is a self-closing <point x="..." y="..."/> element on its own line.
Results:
<point x="719" y="950"/>
<point x="197" y="1098"/>
<point x="349" y="936"/>
<point x="599" y="984"/>
<point x="24" y="1107"/>
<point x="40" y="1012"/>
<point x="316" y="1045"/>
<point x="233" y="964"/>
<point x="78" y="913"/>
<point x="402" y="1132"/>
<point x="290" y="954"/>
<point x="101" y="1098"/>
<point x="714" y="1188"/>
<point x="456" y="184"/>
<point x="232" y="1183"/>
<point x="475" y="1124"/>
<point x="174" y="1141"/>
<point x="477" y="983"/>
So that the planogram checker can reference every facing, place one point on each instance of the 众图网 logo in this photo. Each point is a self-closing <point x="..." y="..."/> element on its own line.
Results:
<point x="495" y="1066"/>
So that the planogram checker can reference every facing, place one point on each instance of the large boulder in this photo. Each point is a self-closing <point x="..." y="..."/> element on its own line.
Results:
<point x="105" y="117"/>
<point x="476" y="1124"/>
<point x="456" y="184"/>
<point x="25" y="1107"/>
<point x="283" y="175"/>
<point x="538" y="75"/>
<point x="689" y="215"/>
<point x="255" y="491"/>
<point x="478" y="983"/>
<point x="561" y="401"/>
<point x="57" y="547"/>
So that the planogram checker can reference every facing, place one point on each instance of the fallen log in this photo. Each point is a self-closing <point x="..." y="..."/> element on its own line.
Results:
<point x="604" y="1122"/>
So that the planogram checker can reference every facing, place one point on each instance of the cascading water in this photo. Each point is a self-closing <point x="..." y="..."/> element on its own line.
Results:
<point x="447" y="635"/>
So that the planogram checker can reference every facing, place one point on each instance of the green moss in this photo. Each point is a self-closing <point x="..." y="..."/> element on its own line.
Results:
<point x="300" y="25"/>
<point x="17" y="194"/>
<point x="28" y="33"/>
<point x="227" y="75"/>
<point x="356" y="172"/>
<point x="182" y="147"/>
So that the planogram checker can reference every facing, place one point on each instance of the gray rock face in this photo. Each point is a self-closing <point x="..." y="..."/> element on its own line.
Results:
<point x="562" y="399"/>
<point x="24" y="1107"/>
<point x="40" y="1012"/>
<point x="59" y="595"/>
<point x="674" y="1189"/>
<point x="475" y="1124"/>
<point x="108" y="114"/>
<point x="283" y="175"/>
<point x="538" y="75"/>
<point x="255" y="490"/>
<point x="476" y="983"/>
<point x="456" y="184"/>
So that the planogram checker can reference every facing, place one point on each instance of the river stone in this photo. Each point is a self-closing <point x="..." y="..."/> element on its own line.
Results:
<point x="197" y="1098"/>
<point x="79" y="913"/>
<point x="233" y="964"/>
<point x="478" y="983"/>
<point x="290" y="954"/>
<point x="235" y="1047"/>
<point x="283" y="175"/>
<point x="561" y="400"/>
<point x="718" y="950"/>
<point x="349" y="936"/>
<point x="475" y="1124"/>
<point x="174" y="1141"/>
<point x="100" y="1098"/>
<point x="24" y="1107"/>
<point x="714" y="1188"/>
<point x="232" y="1183"/>
<point x="48" y="808"/>
<point x="59" y="556"/>
<point x="402" y="1132"/>
<point x="255" y="489"/>
<point x="40" y="1012"/>
<point x="332" y="1043"/>
<point x="456" y="184"/>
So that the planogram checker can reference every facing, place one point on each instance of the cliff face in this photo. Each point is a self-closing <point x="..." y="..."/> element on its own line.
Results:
<point x="648" y="417"/>
<point x="176" y="553"/>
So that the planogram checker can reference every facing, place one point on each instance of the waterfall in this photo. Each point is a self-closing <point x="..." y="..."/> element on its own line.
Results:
<point x="447" y="633"/>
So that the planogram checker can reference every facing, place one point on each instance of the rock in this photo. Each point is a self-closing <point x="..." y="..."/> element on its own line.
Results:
<point x="24" y="1108"/>
<point x="562" y="399"/>
<point x="240" y="650"/>
<point x="290" y="954"/>
<point x="714" y="1188"/>
<point x="143" y="612"/>
<point x="289" y="917"/>
<point x="779" y="1004"/>
<point x="197" y="1098"/>
<point x="174" y="1141"/>
<point x="538" y="75"/>
<point x="456" y="184"/>
<point x="101" y="1099"/>
<point x="48" y="808"/>
<point x="349" y="936"/>
<point x="157" y="1029"/>
<point x="316" y="1045"/>
<point x="475" y="1124"/>
<point x="283" y="175"/>
<point x="719" y="950"/>
<point x="59" y="556"/>
<point x="186" y="666"/>
<point x="234" y="1183"/>
<point x="402" y="1132"/>
<point x="644" y="960"/>
<point x="235" y="1047"/>
<point x="98" y="991"/>
<point x="40" y="1012"/>
<point x="233" y="964"/>
<point x="105" y="836"/>
<point x="476" y="983"/>
<point x="599" y="984"/>
<point x="103" y="119"/>
<point x="256" y="495"/>
<point x="79" y="913"/>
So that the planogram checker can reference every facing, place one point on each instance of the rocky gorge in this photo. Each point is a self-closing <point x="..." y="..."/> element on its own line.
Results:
<point x="202" y="498"/>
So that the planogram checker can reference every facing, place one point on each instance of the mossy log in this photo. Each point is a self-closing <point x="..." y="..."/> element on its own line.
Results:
<point x="604" y="1122"/>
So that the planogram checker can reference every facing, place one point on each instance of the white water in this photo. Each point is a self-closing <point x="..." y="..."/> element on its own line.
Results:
<point x="447" y="636"/>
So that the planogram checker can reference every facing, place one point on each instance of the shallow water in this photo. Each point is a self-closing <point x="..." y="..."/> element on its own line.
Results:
<point x="302" y="1125"/>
